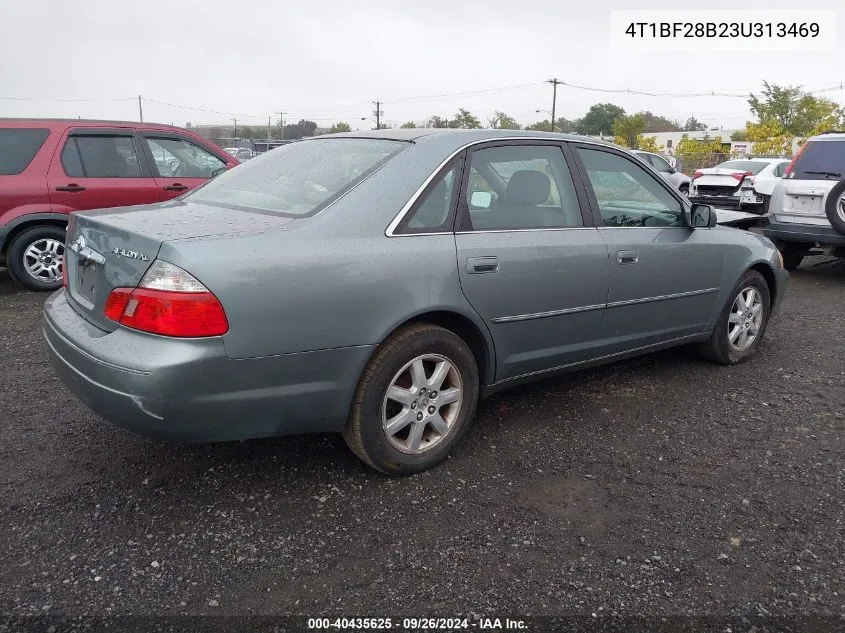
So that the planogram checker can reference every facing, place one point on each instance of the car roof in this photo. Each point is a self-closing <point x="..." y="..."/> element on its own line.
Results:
<point x="458" y="137"/>
<point x="89" y="123"/>
<point x="828" y="136"/>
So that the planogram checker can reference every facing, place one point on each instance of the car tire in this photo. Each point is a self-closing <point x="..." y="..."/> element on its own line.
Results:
<point x="727" y="344"/>
<point x="766" y="201"/>
<point x="835" y="207"/>
<point x="792" y="256"/>
<point x="426" y="427"/>
<point x="35" y="257"/>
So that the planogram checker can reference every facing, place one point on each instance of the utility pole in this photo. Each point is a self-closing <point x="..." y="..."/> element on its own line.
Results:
<point x="378" y="113"/>
<point x="140" y="110"/>
<point x="268" y="132"/>
<point x="554" y="83"/>
<point x="281" y="125"/>
<point x="236" y="127"/>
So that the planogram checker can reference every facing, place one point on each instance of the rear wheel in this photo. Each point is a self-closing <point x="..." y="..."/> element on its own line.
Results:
<point x="835" y="207"/>
<point x="35" y="257"/>
<point x="414" y="400"/>
<point x="766" y="201"/>
<point x="743" y="322"/>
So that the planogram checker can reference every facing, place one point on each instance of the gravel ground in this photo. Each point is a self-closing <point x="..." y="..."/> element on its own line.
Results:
<point x="662" y="486"/>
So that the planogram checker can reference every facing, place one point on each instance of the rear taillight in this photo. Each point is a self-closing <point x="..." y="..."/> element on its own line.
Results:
<point x="742" y="174"/>
<point x="788" y="172"/>
<point x="697" y="174"/>
<point x="170" y="302"/>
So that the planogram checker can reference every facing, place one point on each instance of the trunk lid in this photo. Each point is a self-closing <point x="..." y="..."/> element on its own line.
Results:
<point x="113" y="248"/>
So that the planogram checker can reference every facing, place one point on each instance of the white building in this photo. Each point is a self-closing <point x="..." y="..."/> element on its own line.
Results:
<point x="669" y="140"/>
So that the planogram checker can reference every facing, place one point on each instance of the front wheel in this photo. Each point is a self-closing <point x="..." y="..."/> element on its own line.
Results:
<point x="414" y="400"/>
<point x="743" y="322"/>
<point x="792" y="256"/>
<point x="35" y="257"/>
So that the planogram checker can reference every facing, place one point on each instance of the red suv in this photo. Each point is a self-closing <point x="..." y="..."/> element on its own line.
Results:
<point x="49" y="168"/>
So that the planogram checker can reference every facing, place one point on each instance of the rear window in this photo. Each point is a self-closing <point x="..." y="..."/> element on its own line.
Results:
<point x="18" y="146"/>
<point x="754" y="166"/>
<point x="820" y="160"/>
<point x="301" y="178"/>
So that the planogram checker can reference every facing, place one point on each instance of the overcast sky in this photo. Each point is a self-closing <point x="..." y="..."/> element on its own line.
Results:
<point x="326" y="60"/>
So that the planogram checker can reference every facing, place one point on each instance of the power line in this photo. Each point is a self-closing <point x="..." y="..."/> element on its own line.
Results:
<point x="66" y="100"/>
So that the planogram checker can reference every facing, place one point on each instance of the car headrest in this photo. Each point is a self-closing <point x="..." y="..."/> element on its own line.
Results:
<point x="528" y="186"/>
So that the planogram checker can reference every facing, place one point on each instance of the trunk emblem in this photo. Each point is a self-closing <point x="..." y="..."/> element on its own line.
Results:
<point x="122" y="252"/>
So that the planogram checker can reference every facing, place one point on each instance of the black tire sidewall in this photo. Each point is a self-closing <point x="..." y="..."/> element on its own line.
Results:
<point x="830" y="205"/>
<point x="17" y="248"/>
<point x="377" y="446"/>
<point x="750" y="278"/>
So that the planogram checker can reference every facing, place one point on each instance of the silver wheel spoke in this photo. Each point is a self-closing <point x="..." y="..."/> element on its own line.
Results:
<point x="743" y="339"/>
<point x="403" y="396"/>
<point x="752" y="329"/>
<point x="399" y="422"/>
<point x="438" y="424"/>
<point x="415" y="436"/>
<point x="734" y="334"/>
<point x="756" y="310"/>
<point x="439" y="374"/>
<point x="448" y="396"/>
<point x="736" y="317"/>
<point x="418" y="380"/>
<point x="33" y="252"/>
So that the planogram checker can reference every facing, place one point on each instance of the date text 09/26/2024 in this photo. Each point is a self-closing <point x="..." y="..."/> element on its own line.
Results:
<point x="416" y="624"/>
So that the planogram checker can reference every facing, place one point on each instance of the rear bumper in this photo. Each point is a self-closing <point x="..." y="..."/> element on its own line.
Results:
<point x="810" y="234"/>
<point x="188" y="389"/>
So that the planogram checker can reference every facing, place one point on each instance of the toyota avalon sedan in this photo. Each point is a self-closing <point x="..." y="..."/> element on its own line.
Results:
<point x="377" y="284"/>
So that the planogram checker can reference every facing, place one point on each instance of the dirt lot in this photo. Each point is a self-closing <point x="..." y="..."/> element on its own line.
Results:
<point x="657" y="487"/>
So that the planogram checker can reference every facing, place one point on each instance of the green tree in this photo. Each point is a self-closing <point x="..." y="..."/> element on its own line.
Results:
<point x="694" y="125"/>
<point x="627" y="129"/>
<point x="769" y="137"/>
<point x="599" y="119"/>
<point x="502" y="121"/>
<point x="465" y="119"/>
<point x="246" y="131"/>
<point x="299" y="130"/>
<point x="436" y="121"/>
<point x="649" y="144"/>
<point x="409" y="124"/>
<point x="740" y="136"/>
<point x="340" y="126"/>
<point x="796" y="112"/>
<point x="655" y="123"/>
<point x="540" y="126"/>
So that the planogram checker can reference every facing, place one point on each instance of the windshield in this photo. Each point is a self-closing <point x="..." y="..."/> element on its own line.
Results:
<point x="754" y="166"/>
<point x="301" y="178"/>
<point x="821" y="160"/>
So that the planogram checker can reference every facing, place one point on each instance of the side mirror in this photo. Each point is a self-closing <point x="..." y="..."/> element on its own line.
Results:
<point x="481" y="199"/>
<point x="672" y="170"/>
<point x="703" y="216"/>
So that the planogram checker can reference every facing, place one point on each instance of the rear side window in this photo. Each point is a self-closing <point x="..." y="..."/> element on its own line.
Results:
<point x="18" y="146"/>
<point x="820" y="160"/>
<point x="100" y="157"/>
<point x="301" y="178"/>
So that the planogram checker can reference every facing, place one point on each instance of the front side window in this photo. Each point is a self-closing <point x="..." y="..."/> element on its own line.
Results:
<point x="177" y="158"/>
<point x="104" y="156"/>
<point x="627" y="195"/>
<point x="18" y="146"/>
<point x="521" y="187"/>
<point x="299" y="179"/>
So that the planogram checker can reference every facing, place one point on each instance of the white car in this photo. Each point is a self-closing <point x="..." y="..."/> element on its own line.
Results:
<point x="745" y="183"/>
<point x="241" y="153"/>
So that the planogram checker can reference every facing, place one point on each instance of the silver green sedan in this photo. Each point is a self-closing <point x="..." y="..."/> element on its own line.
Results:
<point x="377" y="284"/>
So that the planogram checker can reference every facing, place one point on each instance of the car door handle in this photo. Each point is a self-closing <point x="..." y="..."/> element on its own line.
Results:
<point x="175" y="187"/>
<point x="72" y="187"/>
<point x="482" y="265"/>
<point x="627" y="257"/>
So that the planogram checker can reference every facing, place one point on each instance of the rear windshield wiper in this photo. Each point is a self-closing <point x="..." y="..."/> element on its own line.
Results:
<point x="832" y="174"/>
